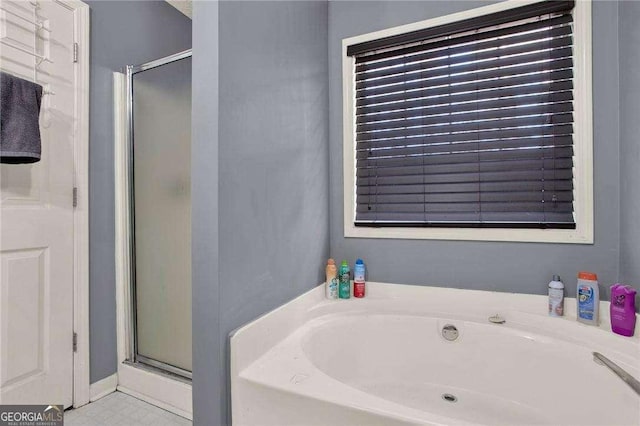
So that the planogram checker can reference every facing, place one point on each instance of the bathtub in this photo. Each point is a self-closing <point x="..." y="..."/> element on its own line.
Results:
<point x="383" y="360"/>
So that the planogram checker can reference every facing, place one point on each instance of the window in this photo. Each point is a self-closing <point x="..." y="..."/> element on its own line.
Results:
<point x="472" y="126"/>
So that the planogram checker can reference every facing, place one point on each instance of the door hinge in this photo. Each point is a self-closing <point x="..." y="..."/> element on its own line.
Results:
<point x="75" y="196"/>
<point x="75" y="52"/>
<point x="75" y="342"/>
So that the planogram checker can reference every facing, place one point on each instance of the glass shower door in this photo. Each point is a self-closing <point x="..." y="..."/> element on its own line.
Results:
<point x="160" y="132"/>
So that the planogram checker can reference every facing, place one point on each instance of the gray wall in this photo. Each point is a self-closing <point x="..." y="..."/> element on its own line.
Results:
<point x="273" y="179"/>
<point x="122" y="32"/>
<point x="513" y="267"/>
<point x="629" y="31"/>
<point x="208" y="352"/>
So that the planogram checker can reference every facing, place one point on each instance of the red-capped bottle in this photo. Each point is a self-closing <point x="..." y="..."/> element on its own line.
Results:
<point x="358" y="279"/>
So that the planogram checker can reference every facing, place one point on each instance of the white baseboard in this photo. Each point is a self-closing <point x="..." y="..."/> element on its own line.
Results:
<point x="156" y="389"/>
<point x="103" y="387"/>
<point x="146" y="398"/>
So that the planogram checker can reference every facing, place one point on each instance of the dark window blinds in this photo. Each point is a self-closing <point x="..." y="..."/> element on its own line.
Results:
<point x="468" y="124"/>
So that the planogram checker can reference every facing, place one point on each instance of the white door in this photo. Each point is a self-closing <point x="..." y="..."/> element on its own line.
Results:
<point x="36" y="215"/>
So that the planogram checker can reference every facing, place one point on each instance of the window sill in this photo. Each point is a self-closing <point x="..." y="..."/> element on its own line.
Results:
<point x="580" y="235"/>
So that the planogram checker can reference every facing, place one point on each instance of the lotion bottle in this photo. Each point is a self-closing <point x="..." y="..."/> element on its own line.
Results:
<point x="556" y="297"/>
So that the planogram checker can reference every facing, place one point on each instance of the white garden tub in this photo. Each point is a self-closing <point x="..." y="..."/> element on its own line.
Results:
<point x="383" y="360"/>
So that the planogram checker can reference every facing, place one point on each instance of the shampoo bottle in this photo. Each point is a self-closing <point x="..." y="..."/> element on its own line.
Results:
<point x="556" y="297"/>
<point x="331" y="285"/>
<point x="344" y="286"/>
<point x="588" y="296"/>
<point x="623" y="309"/>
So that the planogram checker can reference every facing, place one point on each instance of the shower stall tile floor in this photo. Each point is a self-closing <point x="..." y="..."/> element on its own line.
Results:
<point x="119" y="409"/>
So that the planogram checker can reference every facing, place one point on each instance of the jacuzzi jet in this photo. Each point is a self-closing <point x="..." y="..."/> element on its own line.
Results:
<point x="450" y="332"/>
<point x="449" y="398"/>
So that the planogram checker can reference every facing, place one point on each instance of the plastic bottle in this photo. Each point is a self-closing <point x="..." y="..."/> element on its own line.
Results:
<point x="623" y="309"/>
<point x="556" y="297"/>
<point x="331" y="285"/>
<point x="588" y="296"/>
<point x="344" y="286"/>
<point x="358" y="279"/>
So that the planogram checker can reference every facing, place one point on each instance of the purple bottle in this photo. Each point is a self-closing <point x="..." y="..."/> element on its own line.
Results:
<point x="623" y="309"/>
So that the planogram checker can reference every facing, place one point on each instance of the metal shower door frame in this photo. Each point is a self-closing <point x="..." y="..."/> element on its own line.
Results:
<point x="133" y="357"/>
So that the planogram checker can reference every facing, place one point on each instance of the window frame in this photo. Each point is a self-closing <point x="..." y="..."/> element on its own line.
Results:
<point x="583" y="141"/>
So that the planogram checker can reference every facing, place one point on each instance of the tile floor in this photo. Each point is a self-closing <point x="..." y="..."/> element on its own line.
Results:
<point x="119" y="409"/>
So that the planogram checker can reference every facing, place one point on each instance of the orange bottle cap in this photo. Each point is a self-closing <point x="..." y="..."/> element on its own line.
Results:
<point x="331" y="262"/>
<point x="587" y="276"/>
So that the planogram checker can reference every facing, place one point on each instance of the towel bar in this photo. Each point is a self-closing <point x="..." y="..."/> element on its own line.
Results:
<point x="38" y="24"/>
<point x="44" y="92"/>
<point x="22" y="49"/>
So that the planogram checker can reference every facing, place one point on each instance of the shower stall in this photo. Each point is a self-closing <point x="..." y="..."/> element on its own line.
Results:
<point x="153" y="203"/>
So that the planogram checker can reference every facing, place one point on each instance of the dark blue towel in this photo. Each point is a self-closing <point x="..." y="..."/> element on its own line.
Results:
<point x="19" y="120"/>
